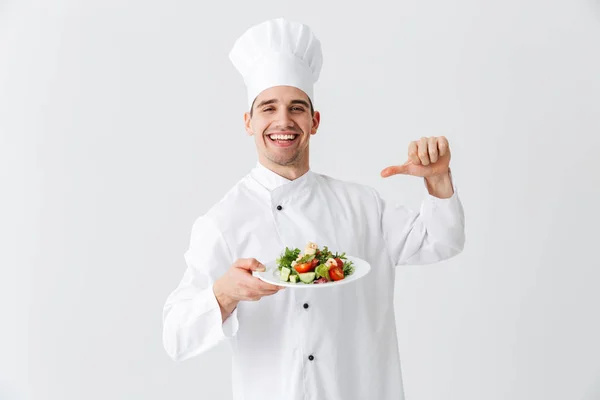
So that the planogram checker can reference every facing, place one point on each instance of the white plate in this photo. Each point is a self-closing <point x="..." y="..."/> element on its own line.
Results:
<point x="271" y="275"/>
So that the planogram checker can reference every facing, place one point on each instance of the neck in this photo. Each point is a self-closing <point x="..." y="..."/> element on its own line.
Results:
<point x="290" y="172"/>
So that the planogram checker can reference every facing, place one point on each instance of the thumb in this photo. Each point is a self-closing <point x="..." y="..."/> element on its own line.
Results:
<point x="250" y="264"/>
<point x="395" y="170"/>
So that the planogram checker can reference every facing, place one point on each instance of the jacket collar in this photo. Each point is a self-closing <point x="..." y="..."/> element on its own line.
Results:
<point x="267" y="178"/>
<point x="272" y="181"/>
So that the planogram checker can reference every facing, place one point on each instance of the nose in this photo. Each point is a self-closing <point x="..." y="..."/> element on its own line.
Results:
<point x="283" y="119"/>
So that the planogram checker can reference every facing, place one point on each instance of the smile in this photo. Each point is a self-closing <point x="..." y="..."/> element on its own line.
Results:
<point x="283" y="139"/>
<point x="279" y="136"/>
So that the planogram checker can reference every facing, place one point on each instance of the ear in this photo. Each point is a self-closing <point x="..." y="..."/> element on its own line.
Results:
<point x="315" y="122"/>
<point x="247" y="120"/>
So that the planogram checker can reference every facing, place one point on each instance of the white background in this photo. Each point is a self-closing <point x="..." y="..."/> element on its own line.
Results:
<point x="121" y="122"/>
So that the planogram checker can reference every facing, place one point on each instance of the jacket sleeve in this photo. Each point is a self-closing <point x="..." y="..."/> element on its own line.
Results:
<point x="191" y="315"/>
<point x="435" y="233"/>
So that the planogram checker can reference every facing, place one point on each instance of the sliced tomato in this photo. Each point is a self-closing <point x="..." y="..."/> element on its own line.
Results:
<point x="339" y="262"/>
<point x="336" y="273"/>
<point x="303" y="267"/>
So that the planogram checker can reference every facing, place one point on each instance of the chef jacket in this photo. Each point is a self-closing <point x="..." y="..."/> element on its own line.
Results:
<point x="338" y="343"/>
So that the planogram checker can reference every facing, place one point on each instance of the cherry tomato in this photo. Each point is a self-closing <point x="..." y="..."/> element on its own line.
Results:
<point x="339" y="262"/>
<point x="302" y="268"/>
<point x="336" y="273"/>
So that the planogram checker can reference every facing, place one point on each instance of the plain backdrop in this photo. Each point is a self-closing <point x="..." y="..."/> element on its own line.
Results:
<point x="121" y="123"/>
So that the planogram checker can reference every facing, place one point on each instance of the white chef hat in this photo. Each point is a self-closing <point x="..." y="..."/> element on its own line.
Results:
<point x="278" y="52"/>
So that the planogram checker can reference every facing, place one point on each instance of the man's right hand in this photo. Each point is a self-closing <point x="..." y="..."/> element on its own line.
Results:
<point x="238" y="284"/>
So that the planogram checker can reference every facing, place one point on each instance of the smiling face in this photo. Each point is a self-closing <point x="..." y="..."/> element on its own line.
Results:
<point x="282" y="123"/>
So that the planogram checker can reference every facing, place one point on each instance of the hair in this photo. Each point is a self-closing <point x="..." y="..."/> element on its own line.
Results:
<point x="312" y="109"/>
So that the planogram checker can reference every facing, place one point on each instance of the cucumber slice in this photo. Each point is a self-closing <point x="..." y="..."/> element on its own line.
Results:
<point x="284" y="274"/>
<point x="307" y="277"/>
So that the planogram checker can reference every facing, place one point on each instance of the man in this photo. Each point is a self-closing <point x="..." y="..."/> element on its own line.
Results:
<point x="336" y="343"/>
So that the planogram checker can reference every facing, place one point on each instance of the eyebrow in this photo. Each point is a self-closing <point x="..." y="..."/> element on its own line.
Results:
<point x="302" y="102"/>
<point x="273" y="101"/>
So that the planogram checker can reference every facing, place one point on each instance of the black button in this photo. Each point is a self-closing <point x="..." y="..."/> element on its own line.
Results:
<point x="305" y="305"/>
<point x="279" y="208"/>
<point x="311" y="357"/>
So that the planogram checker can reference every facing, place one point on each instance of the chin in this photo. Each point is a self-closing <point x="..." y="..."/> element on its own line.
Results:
<point x="283" y="161"/>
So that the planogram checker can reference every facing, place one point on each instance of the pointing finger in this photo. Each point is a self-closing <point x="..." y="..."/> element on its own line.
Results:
<point x="395" y="170"/>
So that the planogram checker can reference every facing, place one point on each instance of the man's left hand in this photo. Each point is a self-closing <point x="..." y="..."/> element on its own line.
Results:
<point x="427" y="158"/>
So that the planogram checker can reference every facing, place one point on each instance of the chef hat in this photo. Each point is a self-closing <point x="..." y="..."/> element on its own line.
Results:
<point x="276" y="53"/>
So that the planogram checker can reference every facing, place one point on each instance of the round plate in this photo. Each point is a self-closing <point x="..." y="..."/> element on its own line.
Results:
<point x="271" y="275"/>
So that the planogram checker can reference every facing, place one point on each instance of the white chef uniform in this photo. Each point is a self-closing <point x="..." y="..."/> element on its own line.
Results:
<point x="330" y="344"/>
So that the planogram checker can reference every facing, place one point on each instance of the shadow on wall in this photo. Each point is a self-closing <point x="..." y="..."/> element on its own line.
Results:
<point x="594" y="392"/>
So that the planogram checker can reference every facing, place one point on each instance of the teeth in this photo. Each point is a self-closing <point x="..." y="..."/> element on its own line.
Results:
<point x="282" y="137"/>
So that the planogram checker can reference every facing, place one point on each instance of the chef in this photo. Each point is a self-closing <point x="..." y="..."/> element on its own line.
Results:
<point x="335" y="343"/>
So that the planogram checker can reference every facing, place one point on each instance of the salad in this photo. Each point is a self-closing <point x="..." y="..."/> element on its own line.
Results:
<point x="313" y="266"/>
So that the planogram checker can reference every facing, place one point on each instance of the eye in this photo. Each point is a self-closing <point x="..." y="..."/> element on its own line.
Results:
<point x="299" y="109"/>
<point x="268" y="109"/>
